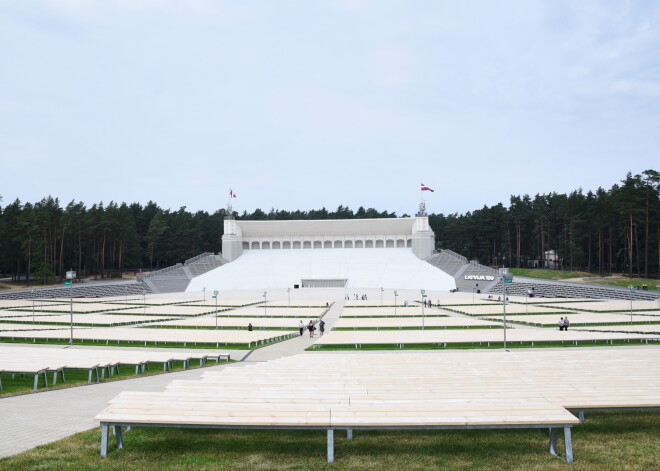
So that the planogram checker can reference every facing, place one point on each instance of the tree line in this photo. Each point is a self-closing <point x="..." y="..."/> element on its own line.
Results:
<point x="615" y="230"/>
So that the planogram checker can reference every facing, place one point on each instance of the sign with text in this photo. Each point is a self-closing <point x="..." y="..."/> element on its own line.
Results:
<point x="480" y="277"/>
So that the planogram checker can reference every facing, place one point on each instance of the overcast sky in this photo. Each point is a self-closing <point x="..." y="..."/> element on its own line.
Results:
<point x="305" y="104"/>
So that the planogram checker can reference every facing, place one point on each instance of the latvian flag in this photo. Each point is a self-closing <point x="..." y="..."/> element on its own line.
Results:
<point x="232" y="194"/>
<point x="426" y="188"/>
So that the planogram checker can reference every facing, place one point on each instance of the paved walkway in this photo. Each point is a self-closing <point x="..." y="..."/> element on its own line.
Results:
<point x="297" y="344"/>
<point x="35" y="419"/>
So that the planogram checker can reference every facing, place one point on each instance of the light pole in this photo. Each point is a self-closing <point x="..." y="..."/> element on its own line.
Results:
<point x="504" y="313"/>
<point x="32" y="294"/>
<point x="423" y="303"/>
<point x="215" y="295"/>
<point x="473" y="295"/>
<point x="506" y="278"/>
<point x="381" y="295"/>
<point x="632" y="290"/>
<point x="144" y="302"/>
<point x="526" y="301"/>
<point x="264" y="295"/>
<point x="395" y="295"/>
<point x="70" y="276"/>
<point x="288" y="292"/>
<point x="204" y="292"/>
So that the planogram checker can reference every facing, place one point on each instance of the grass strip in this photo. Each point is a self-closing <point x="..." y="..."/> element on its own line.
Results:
<point x="608" y="441"/>
<point x="479" y="345"/>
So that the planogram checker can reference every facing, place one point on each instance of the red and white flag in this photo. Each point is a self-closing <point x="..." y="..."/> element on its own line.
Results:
<point x="426" y="188"/>
<point x="232" y="194"/>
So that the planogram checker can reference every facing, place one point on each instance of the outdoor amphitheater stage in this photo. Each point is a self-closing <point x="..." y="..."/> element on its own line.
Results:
<point x="393" y="268"/>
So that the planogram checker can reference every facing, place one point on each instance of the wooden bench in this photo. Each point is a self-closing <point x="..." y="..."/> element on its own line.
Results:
<point x="131" y="409"/>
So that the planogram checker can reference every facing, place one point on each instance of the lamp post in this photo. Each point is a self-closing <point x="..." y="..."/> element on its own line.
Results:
<point x="264" y="296"/>
<point x="506" y="278"/>
<point x="473" y="295"/>
<point x="504" y="315"/>
<point x="204" y="293"/>
<point x="144" y="302"/>
<point x="288" y="293"/>
<point x="632" y="290"/>
<point x="32" y="295"/>
<point x="70" y="276"/>
<point x="381" y="295"/>
<point x="215" y="295"/>
<point x="423" y="303"/>
<point x="526" y="301"/>
<point x="395" y="295"/>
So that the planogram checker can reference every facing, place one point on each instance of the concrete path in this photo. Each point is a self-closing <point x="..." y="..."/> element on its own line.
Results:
<point x="35" y="419"/>
<point x="297" y="344"/>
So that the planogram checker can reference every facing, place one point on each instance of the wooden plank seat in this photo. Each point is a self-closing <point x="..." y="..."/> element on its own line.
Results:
<point x="466" y="389"/>
<point x="210" y="411"/>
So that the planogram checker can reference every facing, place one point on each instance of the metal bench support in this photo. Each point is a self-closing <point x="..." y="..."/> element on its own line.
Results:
<point x="331" y="445"/>
<point x="104" y="440"/>
<point x="349" y="434"/>
<point x="553" y="442"/>
<point x="568" y="444"/>
<point x="120" y="438"/>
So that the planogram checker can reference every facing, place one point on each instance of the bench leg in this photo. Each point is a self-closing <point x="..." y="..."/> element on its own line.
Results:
<point x="349" y="434"/>
<point x="553" y="442"/>
<point x="568" y="444"/>
<point x="120" y="438"/>
<point x="581" y="416"/>
<point x="136" y="369"/>
<point x="96" y="371"/>
<point x="54" y="377"/>
<point x="104" y="440"/>
<point x="89" y="377"/>
<point x="45" y="379"/>
<point x="62" y="374"/>
<point x="331" y="445"/>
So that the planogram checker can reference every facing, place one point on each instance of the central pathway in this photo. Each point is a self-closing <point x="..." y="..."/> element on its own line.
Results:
<point x="38" y="418"/>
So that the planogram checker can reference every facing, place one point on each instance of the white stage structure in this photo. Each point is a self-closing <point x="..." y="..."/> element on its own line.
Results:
<point x="338" y="268"/>
<point x="332" y="253"/>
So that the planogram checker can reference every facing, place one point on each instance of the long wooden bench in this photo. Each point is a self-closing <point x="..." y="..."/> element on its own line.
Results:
<point x="209" y="411"/>
<point x="439" y="390"/>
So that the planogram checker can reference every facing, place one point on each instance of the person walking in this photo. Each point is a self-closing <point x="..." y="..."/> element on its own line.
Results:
<point x="310" y="327"/>
<point x="321" y="327"/>
<point x="301" y="327"/>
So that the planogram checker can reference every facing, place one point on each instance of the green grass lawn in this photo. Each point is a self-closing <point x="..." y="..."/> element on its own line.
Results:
<point x="548" y="274"/>
<point x="607" y="441"/>
<point x="625" y="282"/>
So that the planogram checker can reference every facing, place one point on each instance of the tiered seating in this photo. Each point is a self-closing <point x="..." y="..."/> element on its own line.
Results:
<point x="458" y="266"/>
<point x="447" y="261"/>
<point x="82" y="290"/>
<point x="205" y="262"/>
<point x="545" y="288"/>
<point x="403" y="391"/>
<point x="175" y="279"/>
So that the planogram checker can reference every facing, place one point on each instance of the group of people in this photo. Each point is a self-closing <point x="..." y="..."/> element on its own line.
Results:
<point x="347" y="297"/>
<point x="564" y="323"/>
<point x="311" y="328"/>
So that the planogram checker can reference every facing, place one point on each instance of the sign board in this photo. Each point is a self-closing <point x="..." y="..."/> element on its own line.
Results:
<point x="214" y="297"/>
<point x="480" y="277"/>
<point x="423" y="296"/>
<point x="508" y="278"/>
<point x="71" y="275"/>
<point x="67" y="282"/>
